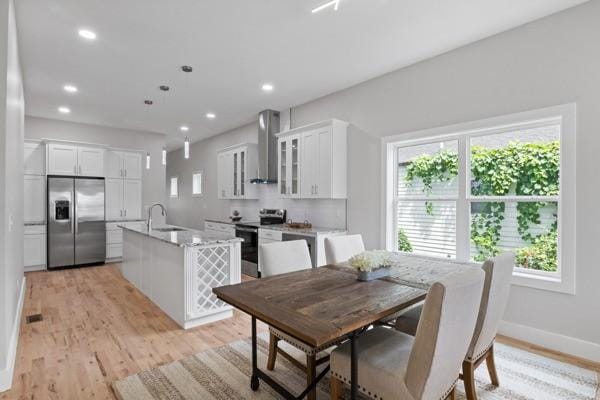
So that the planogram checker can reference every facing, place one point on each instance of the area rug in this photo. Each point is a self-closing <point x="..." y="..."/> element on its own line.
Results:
<point x="223" y="374"/>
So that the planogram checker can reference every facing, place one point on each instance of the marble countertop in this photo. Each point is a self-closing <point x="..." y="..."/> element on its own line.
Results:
<point x="185" y="238"/>
<point x="315" y="230"/>
<point x="125" y="220"/>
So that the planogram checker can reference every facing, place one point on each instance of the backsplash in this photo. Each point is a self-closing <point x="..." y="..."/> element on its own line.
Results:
<point x="325" y="213"/>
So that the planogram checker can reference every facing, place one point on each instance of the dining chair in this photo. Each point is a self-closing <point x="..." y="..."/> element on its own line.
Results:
<point x="282" y="257"/>
<point x="340" y="249"/>
<point x="498" y="273"/>
<point x="395" y="365"/>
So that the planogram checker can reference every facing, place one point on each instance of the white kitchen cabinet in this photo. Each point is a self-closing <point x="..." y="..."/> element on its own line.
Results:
<point x="75" y="160"/>
<point x="123" y="199"/>
<point x="235" y="167"/>
<point x="34" y="203"/>
<point x="217" y="227"/>
<point x="123" y="164"/>
<point x="114" y="242"/>
<point x="62" y="159"/>
<point x="34" y="248"/>
<point x="132" y="198"/>
<point x="113" y="199"/>
<point x="288" y="149"/>
<point x="321" y="164"/>
<point x="90" y="161"/>
<point x="34" y="158"/>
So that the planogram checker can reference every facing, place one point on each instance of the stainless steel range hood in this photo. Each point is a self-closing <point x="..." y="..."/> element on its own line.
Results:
<point x="268" y="126"/>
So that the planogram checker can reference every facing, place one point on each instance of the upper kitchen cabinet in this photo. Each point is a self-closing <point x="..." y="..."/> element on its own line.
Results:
<point x="34" y="206"/>
<point x="123" y="164"/>
<point x="313" y="161"/>
<point x="235" y="167"/>
<point x="73" y="159"/>
<point x="288" y="161"/>
<point x="34" y="158"/>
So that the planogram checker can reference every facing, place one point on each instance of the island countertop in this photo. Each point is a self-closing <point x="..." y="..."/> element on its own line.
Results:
<point x="183" y="237"/>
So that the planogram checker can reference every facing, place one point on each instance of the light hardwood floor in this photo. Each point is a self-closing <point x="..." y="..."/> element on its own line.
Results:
<point x="97" y="328"/>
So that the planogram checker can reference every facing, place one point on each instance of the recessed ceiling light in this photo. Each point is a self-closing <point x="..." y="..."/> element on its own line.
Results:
<point x="184" y="128"/>
<point x="334" y="3"/>
<point x="267" y="87"/>
<point x="211" y="115"/>
<point x="87" y="34"/>
<point x="70" y="88"/>
<point x="64" y="110"/>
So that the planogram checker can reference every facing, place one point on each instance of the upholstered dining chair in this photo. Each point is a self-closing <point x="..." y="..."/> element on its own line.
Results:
<point x="498" y="272"/>
<point x="278" y="258"/>
<point x="395" y="365"/>
<point x="341" y="248"/>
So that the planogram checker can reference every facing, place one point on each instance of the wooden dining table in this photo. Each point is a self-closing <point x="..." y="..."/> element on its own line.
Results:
<point x="320" y="305"/>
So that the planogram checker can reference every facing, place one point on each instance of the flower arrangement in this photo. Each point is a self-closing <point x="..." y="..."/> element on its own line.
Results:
<point x="368" y="261"/>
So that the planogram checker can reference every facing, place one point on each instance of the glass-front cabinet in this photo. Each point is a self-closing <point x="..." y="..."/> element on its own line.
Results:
<point x="236" y="165"/>
<point x="289" y="166"/>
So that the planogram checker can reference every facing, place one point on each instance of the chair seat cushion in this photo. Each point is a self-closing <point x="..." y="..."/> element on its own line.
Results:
<point x="383" y="355"/>
<point x="309" y="350"/>
<point x="408" y="321"/>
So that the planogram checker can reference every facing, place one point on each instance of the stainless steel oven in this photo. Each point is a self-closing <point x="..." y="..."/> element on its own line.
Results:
<point x="249" y="248"/>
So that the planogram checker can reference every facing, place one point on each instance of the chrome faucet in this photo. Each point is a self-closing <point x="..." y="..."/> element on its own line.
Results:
<point x="149" y="221"/>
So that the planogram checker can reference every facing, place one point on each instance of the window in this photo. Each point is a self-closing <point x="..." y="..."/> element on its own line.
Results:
<point x="472" y="191"/>
<point x="197" y="184"/>
<point x="174" y="191"/>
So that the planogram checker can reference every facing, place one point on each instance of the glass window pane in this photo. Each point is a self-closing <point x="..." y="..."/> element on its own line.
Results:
<point x="527" y="228"/>
<point x="427" y="227"/>
<point x="197" y="183"/>
<point x="428" y="170"/>
<point x="520" y="163"/>
<point x="174" y="187"/>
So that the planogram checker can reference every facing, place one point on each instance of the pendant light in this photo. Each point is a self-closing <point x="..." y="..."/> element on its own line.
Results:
<point x="186" y="148"/>
<point x="164" y="156"/>
<point x="147" y="160"/>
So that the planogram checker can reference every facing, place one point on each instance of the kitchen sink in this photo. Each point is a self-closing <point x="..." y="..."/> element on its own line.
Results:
<point x="168" y="229"/>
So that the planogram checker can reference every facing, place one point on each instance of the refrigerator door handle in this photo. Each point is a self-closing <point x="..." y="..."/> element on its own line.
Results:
<point x="75" y="219"/>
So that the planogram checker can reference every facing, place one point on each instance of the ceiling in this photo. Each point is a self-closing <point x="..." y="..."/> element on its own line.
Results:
<point x="234" y="47"/>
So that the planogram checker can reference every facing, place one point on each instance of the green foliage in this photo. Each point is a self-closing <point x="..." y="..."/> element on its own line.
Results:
<point x="526" y="169"/>
<point x="403" y="242"/>
<point x="541" y="255"/>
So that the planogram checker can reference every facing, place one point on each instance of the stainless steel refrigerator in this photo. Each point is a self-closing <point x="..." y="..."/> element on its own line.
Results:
<point x="76" y="227"/>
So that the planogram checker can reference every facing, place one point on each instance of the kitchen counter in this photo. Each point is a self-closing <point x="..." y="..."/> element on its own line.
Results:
<point x="184" y="238"/>
<point x="178" y="270"/>
<point x="315" y="230"/>
<point x="124" y="220"/>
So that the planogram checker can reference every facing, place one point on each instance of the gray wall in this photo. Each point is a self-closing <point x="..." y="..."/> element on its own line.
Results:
<point x="11" y="183"/>
<point x="189" y="211"/>
<point x="552" y="61"/>
<point x="153" y="180"/>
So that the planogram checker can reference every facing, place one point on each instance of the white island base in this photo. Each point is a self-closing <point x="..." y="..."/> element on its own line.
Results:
<point x="179" y="278"/>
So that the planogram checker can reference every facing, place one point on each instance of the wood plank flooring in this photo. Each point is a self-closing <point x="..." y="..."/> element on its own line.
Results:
<point x="98" y="328"/>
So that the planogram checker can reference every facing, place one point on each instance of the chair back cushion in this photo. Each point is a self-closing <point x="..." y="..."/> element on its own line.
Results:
<point x="444" y="334"/>
<point x="340" y="249"/>
<point x="281" y="257"/>
<point x="496" y="288"/>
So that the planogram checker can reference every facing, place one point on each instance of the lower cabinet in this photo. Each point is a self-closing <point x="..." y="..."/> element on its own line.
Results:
<point x="216" y="227"/>
<point x="34" y="246"/>
<point x="114" y="242"/>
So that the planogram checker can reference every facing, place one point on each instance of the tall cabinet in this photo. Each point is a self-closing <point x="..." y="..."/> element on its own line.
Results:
<point x="312" y="161"/>
<point x="236" y="165"/>
<point x="123" y="197"/>
<point x="34" y="205"/>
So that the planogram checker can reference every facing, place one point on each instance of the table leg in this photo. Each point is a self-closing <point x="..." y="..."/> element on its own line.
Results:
<point x="353" y="368"/>
<point x="254" y="383"/>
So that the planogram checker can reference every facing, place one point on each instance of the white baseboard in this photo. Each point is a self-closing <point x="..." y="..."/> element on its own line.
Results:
<point x="553" y="341"/>
<point x="6" y="375"/>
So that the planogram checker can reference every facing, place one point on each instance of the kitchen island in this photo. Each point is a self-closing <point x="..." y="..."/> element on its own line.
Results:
<point x="177" y="268"/>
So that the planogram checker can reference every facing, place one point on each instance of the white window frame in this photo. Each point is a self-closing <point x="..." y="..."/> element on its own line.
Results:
<point x="564" y="280"/>
<point x="176" y="195"/>
<point x="194" y="174"/>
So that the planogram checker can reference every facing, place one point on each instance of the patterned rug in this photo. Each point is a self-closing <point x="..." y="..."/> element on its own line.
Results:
<point x="223" y="374"/>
